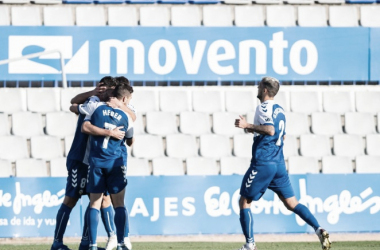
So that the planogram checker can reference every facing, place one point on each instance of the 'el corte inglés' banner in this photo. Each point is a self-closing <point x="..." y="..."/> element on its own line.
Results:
<point x="194" y="204"/>
<point x="198" y="53"/>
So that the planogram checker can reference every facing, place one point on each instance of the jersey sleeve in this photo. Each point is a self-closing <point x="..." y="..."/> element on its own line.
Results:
<point x="129" y="132"/>
<point x="264" y="115"/>
<point x="88" y="106"/>
<point x="132" y="108"/>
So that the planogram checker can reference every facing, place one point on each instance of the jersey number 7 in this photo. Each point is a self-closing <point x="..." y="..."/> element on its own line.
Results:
<point x="108" y="126"/>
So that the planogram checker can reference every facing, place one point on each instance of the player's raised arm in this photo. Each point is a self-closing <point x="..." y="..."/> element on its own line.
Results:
<point x="261" y="129"/>
<point x="113" y="102"/>
<point x="81" y="98"/>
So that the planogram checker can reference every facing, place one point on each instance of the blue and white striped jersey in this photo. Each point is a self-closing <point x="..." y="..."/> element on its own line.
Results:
<point x="268" y="148"/>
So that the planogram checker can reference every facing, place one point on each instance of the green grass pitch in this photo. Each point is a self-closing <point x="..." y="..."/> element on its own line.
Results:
<point x="364" y="245"/>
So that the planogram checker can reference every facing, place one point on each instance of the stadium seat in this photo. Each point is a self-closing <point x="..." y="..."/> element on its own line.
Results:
<point x="297" y="124"/>
<point x="26" y="124"/>
<point x="43" y="100"/>
<point x="250" y="117"/>
<point x="378" y="122"/>
<point x="208" y="101"/>
<point x="330" y="1"/>
<point x="161" y="123"/>
<point x="60" y="124"/>
<point x="373" y="145"/>
<point x="336" y="165"/>
<point x="267" y="1"/>
<point x="315" y="146"/>
<point x="66" y="96"/>
<point x="249" y="16"/>
<point x="368" y="101"/>
<point x="138" y="125"/>
<point x="305" y="102"/>
<point x="90" y="16"/>
<point x="58" y="167"/>
<point x="4" y="126"/>
<point x="137" y="167"/>
<point x="243" y="145"/>
<point x="168" y="166"/>
<point x="282" y="99"/>
<point x="215" y="146"/>
<point x="175" y="101"/>
<point x="299" y="1"/>
<point x="109" y="1"/>
<point x="148" y="146"/>
<point x="122" y="16"/>
<point x="145" y="100"/>
<point x="68" y="141"/>
<point x="77" y="1"/>
<point x="13" y="148"/>
<point x="185" y="16"/>
<point x="172" y="1"/>
<point x="303" y="165"/>
<point x="5" y="19"/>
<point x="343" y="16"/>
<point x="338" y="102"/>
<point x="359" y="123"/>
<point x="281" y="16"/>
<point x="201" y="166"/>
<point x="5" y="169"/>
<point x="15" y="96"/>
<point x="323" y="123"/>
<point x="31" y="168"/>
<point x="369" y="16"/>
<point x="348" y="145"/>
<point x="46" y="1"/>
<point x="181" y="146"/>
<point x="234" y="165"/>
<point x="154" y="16"/>
<point x="195" y="123"/>
<point x="45" y="147"/>
<point x="312" y="16"/>
<point x="237" y="1"/>
<point x="141" y="1"/>
<point x="217" y="16"/>
<point x="241" y="101"/>
<point x="290" y="146"/>
<point x="224" y="123"/>
<point x="26" y="16"/>
<point x="58" y="16"/>
<point x="368" y="164"/>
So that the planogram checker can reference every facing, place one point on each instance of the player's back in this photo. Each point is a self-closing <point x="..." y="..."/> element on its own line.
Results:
<point x="108" y="152"/>
<point x="268" y="148"/>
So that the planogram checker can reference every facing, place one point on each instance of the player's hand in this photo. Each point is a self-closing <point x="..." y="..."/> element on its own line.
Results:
<point x="117" y="133"/>
<point x="241" y="123"/>
<point x="99" y="89"/>
<point x="113" y="102"/>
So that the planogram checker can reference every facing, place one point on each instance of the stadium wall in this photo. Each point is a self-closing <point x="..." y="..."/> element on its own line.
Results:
<point x="166" y="205"/>
<point x="202" y="53"/>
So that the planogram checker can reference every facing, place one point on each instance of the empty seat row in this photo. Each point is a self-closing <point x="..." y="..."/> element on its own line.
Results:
<point x="198" y="166"/>
<point x="241" y="16"/>
<point x="242" y="101"/>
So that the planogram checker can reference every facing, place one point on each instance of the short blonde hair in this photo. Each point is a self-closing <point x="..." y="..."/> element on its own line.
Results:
<point x="271" y="84"/>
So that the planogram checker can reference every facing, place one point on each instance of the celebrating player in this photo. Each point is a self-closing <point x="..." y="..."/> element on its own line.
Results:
<point x="108" y="158"/>
<point x="77" y="167"/>
<point x="267" y="169"/>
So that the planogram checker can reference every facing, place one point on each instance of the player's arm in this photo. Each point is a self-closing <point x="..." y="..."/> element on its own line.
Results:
<point x="74" y="108"/>
<point x="81" y="98"/>
<point x="115" y="103"/>
<point x="90" y="129"/>
<point x="251" y="128"/>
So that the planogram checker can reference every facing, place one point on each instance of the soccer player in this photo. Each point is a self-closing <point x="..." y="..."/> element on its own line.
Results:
<point x="267" y="169"/>
<point x="76" y="181"/>
<point x="108" y="160"/>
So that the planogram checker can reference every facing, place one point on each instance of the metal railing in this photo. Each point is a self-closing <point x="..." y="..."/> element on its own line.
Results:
<point x="64" y="81"/>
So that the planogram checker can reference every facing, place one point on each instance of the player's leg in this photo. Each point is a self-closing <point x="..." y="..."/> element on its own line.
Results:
<point x="85" y="241"/>
<point x="254" y="185"/>
<point x="282" y="186"/>
<point x="107" y="213"/>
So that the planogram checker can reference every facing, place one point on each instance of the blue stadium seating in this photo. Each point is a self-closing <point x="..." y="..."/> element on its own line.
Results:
<point x="140" y="1"/>
<point x="109" y="1"/>
<point x="173" y="1"/>
<point x="204" y="1"/>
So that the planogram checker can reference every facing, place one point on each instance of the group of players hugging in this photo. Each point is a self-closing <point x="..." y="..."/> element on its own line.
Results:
<point x="97" y="164"/>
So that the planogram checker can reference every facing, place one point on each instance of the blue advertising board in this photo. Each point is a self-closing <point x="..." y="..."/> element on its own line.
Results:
<point x="375" y="54"/>
<point x="175" y="205"/>
<point x="181" y="53"/>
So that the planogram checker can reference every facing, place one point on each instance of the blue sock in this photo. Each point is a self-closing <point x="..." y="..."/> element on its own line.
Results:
<point x="246" y="222"/>
<point x="303" y="212"/>
<point x="108" y="220"/>
<point x="85" y="241"/>
<point x="63" y="216"/>
<point x="120" y="221"/>
<point x="93" y="221"/>
<point x="126" y="233"/>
